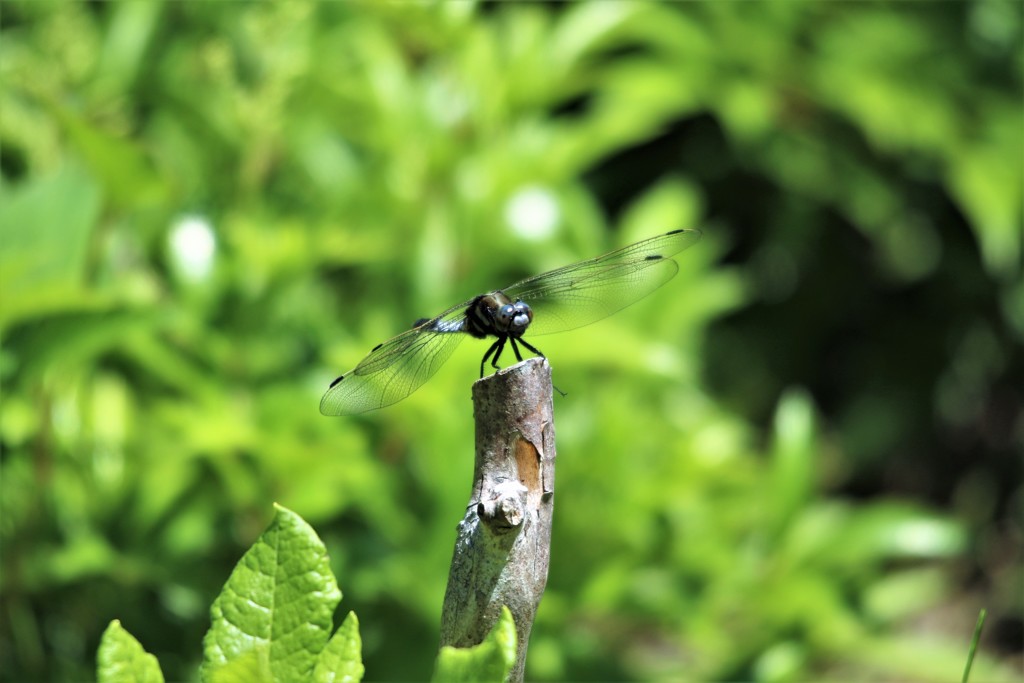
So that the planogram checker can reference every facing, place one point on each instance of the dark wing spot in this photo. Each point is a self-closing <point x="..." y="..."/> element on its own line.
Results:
<point x="674" y="232"/>
<point x="336" y="381"/>
<point x="376" y="347"/>
<point x="654" y="257"/>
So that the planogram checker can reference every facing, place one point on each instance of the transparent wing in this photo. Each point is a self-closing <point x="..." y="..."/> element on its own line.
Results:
<point x="585" y="292"/>
<point x="562" y="299"/>
<point x="398" y="367"/>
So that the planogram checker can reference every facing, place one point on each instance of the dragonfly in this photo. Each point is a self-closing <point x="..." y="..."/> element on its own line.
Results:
<point x="559" y="300"/>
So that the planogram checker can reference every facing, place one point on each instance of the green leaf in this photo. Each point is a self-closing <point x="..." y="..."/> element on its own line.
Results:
<point x="974" y="645"/>
<point x="132" y="28"/>
<point x="127" y="174"/>
<point x="342" y="660"/>
<point x="274" y="615"/>
<point x="121" y="659"/>
<point x="987" y="182"/>
<point x="793" y="451"/>
<point x="243" y="669"/>
<point x="45" y="228"/>
<point x="672" y="203"/>
<point x="491" y="660"/>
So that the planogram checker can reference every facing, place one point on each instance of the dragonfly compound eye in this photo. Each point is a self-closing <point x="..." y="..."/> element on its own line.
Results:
<point x="505" y="316"/>
<point x="513" y="319"/>
<point x="521" y="317"/>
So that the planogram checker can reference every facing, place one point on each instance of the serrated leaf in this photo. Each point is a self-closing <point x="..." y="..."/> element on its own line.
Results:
<point x="491" y="660"/>
<point x="122" y="659"/>
<point x="275" y="613"/>
<point x="342" y="660"/>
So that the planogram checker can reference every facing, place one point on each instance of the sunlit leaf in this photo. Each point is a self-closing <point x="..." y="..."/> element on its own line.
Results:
<point x="275" y="611"/>
<point x="121" y="659"/>
<point x="489" y="662"/>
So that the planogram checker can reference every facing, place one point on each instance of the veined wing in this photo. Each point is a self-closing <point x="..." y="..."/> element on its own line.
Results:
<point x="398" y="367"/>
<point x="585" y="292"/>
<point x="562" y="299"/>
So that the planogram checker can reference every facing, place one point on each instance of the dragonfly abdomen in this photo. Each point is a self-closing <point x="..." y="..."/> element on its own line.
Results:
<point x="441" y="325"/>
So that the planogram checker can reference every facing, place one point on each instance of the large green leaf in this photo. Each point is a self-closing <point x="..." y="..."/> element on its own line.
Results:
<point x="274" y="615"/>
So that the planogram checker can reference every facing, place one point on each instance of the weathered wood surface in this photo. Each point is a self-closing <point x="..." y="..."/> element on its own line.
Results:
<point x="503" y="542"/>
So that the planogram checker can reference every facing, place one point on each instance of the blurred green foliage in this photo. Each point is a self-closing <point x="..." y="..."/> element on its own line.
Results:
<point x="800" y="459"/>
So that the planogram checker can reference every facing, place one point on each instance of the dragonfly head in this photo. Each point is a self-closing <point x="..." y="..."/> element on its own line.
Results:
<point x="513" y="319"/>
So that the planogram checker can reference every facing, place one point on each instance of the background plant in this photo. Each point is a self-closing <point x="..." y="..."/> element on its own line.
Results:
<point x="800" y="458"/>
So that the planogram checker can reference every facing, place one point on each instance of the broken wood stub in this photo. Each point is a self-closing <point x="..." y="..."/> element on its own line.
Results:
<point x="503" y="543"/>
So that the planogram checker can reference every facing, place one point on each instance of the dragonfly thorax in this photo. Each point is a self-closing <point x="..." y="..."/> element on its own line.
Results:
<point x="496" y="315"/>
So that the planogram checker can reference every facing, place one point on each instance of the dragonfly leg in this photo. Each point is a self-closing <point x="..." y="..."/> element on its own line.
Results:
<point x="529" y="346"/>
<point x="497" y="353"/>
<point x="496" y="348"/>
<point x="519" y="356"/>
<point x="539" y="353"/>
